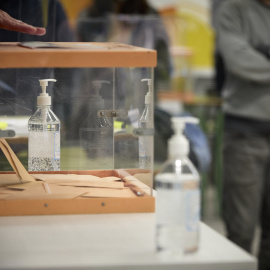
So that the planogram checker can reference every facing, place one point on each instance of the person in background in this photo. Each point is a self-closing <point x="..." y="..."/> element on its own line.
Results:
<point x="243" y="39"/>
<point x="132" y="22"/>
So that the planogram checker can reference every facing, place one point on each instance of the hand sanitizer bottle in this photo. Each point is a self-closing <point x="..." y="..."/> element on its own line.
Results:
<point x="96" y="133"/>
<point x="178" y="196"/>
<point x="146" y="121"/>
<point x="44" y="135"/>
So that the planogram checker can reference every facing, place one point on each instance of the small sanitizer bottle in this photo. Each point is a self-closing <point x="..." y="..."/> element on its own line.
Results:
<point x="178" y="196"/>
<point x="146" y="121"/>
<point x="44" y="135"/>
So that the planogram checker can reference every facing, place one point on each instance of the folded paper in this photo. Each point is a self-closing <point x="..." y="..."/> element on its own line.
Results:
<point x="100" y="184"/>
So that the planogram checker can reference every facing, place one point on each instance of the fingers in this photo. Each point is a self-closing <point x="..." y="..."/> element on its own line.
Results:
<point x="40" y="31"/>
<point x="9" y="23"/>
<point x="22" y="27"/>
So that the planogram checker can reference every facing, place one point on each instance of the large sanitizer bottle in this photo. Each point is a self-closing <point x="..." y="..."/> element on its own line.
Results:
<point x="145" y="122"/>
<point x="44" y="135"/>
<point x="178" y="196"/>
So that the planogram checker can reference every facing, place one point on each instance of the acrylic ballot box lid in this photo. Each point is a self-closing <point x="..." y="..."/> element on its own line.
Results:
<point x="74" y="54"/>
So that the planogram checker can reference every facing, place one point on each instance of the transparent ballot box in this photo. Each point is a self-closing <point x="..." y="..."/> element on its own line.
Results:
<point x="103" y="98"/>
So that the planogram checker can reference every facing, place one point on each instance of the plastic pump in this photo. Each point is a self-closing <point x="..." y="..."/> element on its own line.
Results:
<point x="44" y="98"/>
<point x="178" y="144"/>
<point x="97" y="97"/>
<point x="149" y="95"/>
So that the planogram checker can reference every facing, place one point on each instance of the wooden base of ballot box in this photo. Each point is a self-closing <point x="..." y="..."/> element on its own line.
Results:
<point x="55" y="196"/>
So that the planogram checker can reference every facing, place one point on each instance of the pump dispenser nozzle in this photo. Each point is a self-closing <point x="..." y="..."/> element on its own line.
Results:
<point x="178" y="144"/>
<point x="44" y="98"/>
<point x="148" y="96"/>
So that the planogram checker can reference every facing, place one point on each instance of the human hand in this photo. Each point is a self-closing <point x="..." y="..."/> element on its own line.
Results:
<point x="9" y="23"/>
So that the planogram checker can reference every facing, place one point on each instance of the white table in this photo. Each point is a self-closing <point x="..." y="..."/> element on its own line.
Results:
<point x="106" y="241"/>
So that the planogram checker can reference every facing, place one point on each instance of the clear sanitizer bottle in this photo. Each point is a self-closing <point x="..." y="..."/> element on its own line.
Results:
<point x="178" y="196"/>
<point x="146" y="121"/>
<point x="44" y="135"/>
<point x="96" y="133"/>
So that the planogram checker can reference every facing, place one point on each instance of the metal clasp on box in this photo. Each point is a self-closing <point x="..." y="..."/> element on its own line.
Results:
<point x="143" y="132"/>
<point x="112" y="113"/>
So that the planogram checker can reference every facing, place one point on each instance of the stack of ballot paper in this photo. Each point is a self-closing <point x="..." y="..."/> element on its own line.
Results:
<point x="66" y="186"/>
<point x="23" y="185"/>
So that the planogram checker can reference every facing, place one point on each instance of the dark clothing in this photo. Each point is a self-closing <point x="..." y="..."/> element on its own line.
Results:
<point x="33" y="12"/>
<point x="246" y="125"/>
<point x="246" y="185"/>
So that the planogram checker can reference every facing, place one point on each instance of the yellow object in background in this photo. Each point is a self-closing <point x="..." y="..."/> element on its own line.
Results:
<point x="3" y="125"/>
<point x="73" y="9"/>
<point x="117" y="125"/>
<point x="198" y="35"/>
